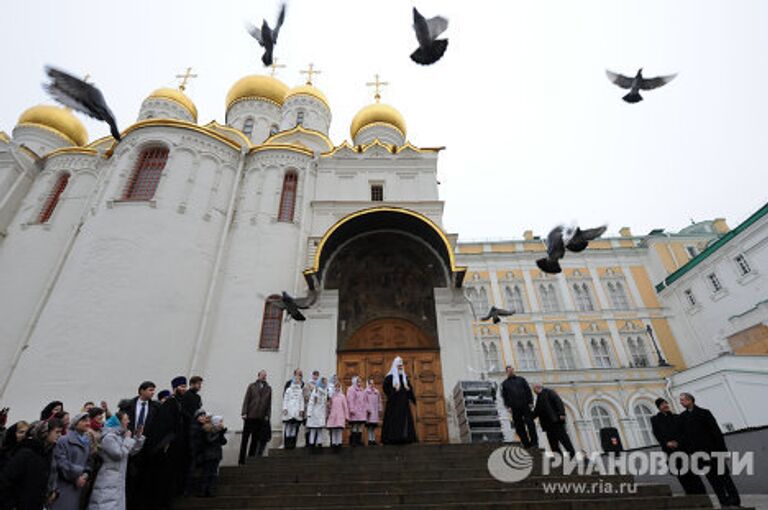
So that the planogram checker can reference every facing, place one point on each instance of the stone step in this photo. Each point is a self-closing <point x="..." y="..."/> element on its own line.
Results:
<point x="411" y="449"/>
<point x="470" y="501"/>
<point x="408" y="486"/>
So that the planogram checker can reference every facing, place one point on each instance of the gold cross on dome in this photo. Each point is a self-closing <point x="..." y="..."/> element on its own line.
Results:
<point x="275" y="66"/>
<point x="185" y="78"/>
<point x="309" y="72"/>
<point x="377" y="84"/>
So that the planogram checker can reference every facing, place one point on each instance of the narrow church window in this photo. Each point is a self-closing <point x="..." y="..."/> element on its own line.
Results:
<point x="714" y="282"/>
<point x="146" y="176"/>
<point x="377" y="193"/>
<point x="53" y="198"/>
<point x="274" y="129"/>
<point x="288" y="197"/>
<point x="248" y="126"/>
<point x="743" y="265"/>
<point x="690" y="297"/>
<point x="270" y="324"/>
<point x="300" y="118"/>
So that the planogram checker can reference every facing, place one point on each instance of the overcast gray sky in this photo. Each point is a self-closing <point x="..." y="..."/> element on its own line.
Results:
<point x="534" y="132"/>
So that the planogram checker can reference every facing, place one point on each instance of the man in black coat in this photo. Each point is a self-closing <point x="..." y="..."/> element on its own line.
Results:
<point x="668" y="430"/>
<point x="142" y="412"/>
<point x="701" y="431"/>
<point x="518" y="399"/>
<point x="550" y="411"/>
<point x="191" y="400"/>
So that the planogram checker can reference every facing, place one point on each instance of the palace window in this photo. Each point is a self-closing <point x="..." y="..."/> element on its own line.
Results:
<point x="288" y="197"/>
<point x="514" y="299"/>
<point x="248" y="126"/>
<point x="692" y="251"/>
<point x="526" y="355"/>
<point x="714" y="282"/>
<point x="742" y="265"/>
<point x="638" y="352"/>
<point x="377" y="192"/>
<point x="53" y="198"/>
<point x="491" y="355"/>
<point x="564" y="354"/>
<point x="618" y="295"/>
<point x="549" y="300"/>
<point x="583" y="297"/>
<point x="146" y="176"/>
<point x="601" y="353"/>
<point x="271" y="323"/>
<point x="643" y="415"/>
<point x="601" y="418"/>
<point x="690" y="298"/>
<point x="479" y="299"/>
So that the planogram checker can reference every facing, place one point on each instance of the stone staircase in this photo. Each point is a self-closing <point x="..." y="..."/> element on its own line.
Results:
<point x="449" y="476"/>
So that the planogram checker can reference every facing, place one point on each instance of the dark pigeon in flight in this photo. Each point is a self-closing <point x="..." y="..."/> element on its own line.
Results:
<point x="561" y="239"/>
<point x="431" y="49"/>
<point x="638" y="83"/>
<point x="294" y="305"/>
<point x="266" y="36"/>
<point x="81" y="96"/>
<point x="496" y="314"/>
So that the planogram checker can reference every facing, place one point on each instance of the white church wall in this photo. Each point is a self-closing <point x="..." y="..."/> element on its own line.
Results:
<point x="131" y="292"/>
<point x="316" y="115"/>
<point x="38" y="247"/>
<point x="265" y="115"/>
<point x="38" y="139"/>
<point x="17" y="173"/>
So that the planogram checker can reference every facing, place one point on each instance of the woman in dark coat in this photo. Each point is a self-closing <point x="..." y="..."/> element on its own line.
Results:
<point x="398" y="426"/>
<point x="25" y="481"/>
<point x="14" y="436"/>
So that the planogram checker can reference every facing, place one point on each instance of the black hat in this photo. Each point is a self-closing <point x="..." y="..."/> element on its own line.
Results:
<point x="93" y="412"/>
<point x="178" y="381"/>
<point x="660" y="401"/>
<point x="163" y="394"/>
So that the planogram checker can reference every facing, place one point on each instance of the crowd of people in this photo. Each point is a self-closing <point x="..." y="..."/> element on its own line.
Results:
<point x="693" y="431"/>
<point x="152" y="449"/>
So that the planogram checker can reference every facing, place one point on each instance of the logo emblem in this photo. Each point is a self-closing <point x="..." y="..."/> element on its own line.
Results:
<point x="510" y="464"/>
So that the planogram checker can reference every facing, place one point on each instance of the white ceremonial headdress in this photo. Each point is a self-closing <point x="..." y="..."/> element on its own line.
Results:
<point x="396" y="375"/>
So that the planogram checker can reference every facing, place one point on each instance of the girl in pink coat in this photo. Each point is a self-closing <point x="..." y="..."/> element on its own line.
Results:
<point x="373" y="408"/>
<point x="338" y="415"/>
<point x="358" y="411"/>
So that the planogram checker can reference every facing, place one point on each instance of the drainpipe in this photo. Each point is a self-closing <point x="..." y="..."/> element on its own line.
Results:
<point x="52" y="280"/>
<point x="205" y="317"/>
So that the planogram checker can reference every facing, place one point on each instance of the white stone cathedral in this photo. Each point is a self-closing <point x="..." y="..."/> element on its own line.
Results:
<point x="158" y="255"/>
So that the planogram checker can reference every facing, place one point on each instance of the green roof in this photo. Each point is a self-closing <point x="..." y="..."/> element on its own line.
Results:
<point x="712" y="248"/>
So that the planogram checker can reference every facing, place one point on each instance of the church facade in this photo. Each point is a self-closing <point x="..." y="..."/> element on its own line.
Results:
<point x="164" y="254"/>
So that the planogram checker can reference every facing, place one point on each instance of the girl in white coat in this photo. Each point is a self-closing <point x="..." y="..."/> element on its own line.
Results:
<point x="317" y="412"/>
<point x="293" y="412"/>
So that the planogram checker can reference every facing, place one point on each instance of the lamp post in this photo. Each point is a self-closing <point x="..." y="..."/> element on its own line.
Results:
<point x="662" y="361"/>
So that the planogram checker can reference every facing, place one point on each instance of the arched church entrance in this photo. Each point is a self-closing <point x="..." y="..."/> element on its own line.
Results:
<point x="385" y="263"/>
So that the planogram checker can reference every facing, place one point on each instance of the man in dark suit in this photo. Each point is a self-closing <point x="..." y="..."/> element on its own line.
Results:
<point x="701" y="430"/>
<point x="550" y="411"/>
<point x="142" y="411"/>
<point x="668" y="429"/>
<point x="518" y="399"/>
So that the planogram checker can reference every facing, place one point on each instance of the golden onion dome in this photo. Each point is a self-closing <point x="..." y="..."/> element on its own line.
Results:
<point x="176" y="96"/>
<point x="377" y="113"/>
<point x="308" y="90"/>
<point x="257" y="87"/>
<point x="60" y="120"/>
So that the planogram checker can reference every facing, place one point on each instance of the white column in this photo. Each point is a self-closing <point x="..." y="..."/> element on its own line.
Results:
<point x="605" y="302"/>
<point x="566" y="294"/>
<point x="633" y="290"/>
<point x="531" y="291"/>
<point x="581" y="346"/>
<point x="621" y="349"/>
<point x="546" y="354"/>
<point x="495" y="290"/>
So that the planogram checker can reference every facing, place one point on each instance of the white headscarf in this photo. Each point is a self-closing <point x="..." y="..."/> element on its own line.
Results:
<point x="396" y="374"/>
<point x="354" y="381"/>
